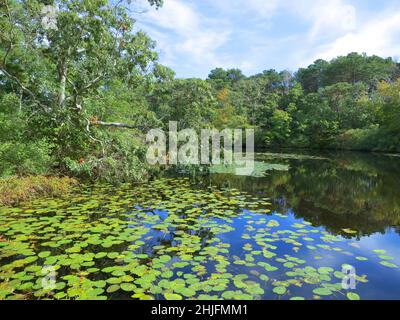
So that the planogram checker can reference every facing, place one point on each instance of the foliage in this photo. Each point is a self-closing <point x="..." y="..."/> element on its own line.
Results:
<point x="77" y="99"/>
<point x="320" y="106"/>
<point x="353" y="68"/>
<point x="388" y="106"/>
<point x="66" y="79"/>
<point x="373" y="139"/>
<point x="14" y="190"/>
<point x="122" y="161"/>
<point x="190" y="102"/>
<point x="19" y="153"/>
<point x="191" y="256"/>
<point x="280" y="127"/>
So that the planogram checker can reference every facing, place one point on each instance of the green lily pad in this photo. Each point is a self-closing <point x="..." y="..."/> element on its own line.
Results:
<point x="322" y="292"/>
<point x="279" y="290"/>
<point x="113" y="288"/>
<point x="297" y="298"/>
<point x="388" y="264"/>
<point x="172" y="296"/>
<point x="353" y="296"/>
<point x="44" y="254"/>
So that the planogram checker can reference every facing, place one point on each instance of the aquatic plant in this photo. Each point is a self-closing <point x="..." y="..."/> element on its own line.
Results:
<point x="165" y="239"/>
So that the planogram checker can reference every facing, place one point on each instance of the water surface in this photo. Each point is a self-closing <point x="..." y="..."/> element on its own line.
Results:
<point x="288" y="233"/>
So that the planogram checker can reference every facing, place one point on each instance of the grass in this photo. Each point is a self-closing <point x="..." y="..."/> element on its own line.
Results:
<point x="14" y="190"/>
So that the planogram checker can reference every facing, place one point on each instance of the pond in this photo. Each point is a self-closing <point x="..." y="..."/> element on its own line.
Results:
<point x="304" y="226"/>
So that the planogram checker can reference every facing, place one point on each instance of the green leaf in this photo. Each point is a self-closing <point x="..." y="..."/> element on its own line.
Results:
<point x="362" y="258"/>
<point x="322" y="292"/>
<point x="44" y="254"/>
<point x="165" y="258"/>
<point x="297" y="298"/>
<point x="172" y="296"/>
<point x="325" y="270"/>
<point x="279" y="290"/>
<point x="349" y="231"/>
<point x="388" y="264"/>
<point x="353" y="296"/>
<point x="128" y="287"/>
<point x="113" y="288"/>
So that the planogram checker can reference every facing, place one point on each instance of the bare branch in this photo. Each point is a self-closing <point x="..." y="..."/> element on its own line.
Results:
<point x="93" y="138"/>
<point x="117" y="124"/>
<point x="92" y="83"/>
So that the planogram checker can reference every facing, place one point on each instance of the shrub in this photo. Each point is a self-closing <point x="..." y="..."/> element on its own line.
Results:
<point x="123" y="160"/>
<point x="21" y="152"/>
<point x="25" y="158"/>
<point x="374" y="139"/>
<point x="14" y="189"/>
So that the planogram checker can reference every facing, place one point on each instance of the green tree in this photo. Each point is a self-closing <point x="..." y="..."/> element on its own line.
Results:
<point x="190" y="102"/>
<point x="60" y="72"/>
<point x="313" y="77"/>
<point x="353" y="68"/>
<point x="222" y="78"/>
<point x="387" y="104"/>
<point x="280" y="129"/>
<point x="343" y="100"/>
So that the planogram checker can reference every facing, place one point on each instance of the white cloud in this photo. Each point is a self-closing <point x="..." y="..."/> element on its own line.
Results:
<point x="175" y="15"/>
<point x="190" y="34"/>
<point x="257" y="8"/>
<point x="263" y="8"/>
<point x="331" y="17"/>
<point x="203" y="45"/>
<point x="380" y="36"/>
<point x="195" y="36"/>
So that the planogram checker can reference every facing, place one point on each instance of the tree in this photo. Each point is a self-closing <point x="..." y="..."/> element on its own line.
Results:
<point x="65" y="68"/>
<point x="387" y="104"/>
<point x="58" y="70"/>
<point x="343" y="100"/>
<point x="279" y="131"/>
<point x="353" y="68"/>
<point x="221" y="77"/>
<point x="317" y="123"/>
<point x="313" y="77"/>
<point x="19" y="153"/>
<point x="190" y="102"/>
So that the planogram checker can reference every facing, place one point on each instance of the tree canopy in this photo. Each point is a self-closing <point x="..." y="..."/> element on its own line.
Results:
<point x="78" y="91"/>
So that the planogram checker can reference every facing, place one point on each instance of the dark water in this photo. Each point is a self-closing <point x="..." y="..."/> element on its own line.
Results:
<point x="333" y="189"/>
<point x="336" y="191"/>
<point x="289" y="234"/>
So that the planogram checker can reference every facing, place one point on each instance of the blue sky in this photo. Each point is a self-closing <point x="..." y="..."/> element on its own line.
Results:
<point x="195" y="36"/>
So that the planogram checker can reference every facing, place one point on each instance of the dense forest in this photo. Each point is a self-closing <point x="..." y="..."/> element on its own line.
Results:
<point x="77" y="99"/>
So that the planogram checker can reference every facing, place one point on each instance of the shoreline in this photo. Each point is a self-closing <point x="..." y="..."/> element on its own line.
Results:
<point x="14" y="190"/>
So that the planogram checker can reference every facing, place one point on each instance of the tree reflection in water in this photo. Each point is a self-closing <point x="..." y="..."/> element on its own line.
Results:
<point x="334" y="189"/>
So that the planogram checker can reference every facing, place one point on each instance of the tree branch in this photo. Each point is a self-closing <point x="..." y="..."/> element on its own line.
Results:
<point x="25" y="89"/>
<point x="117" y="124"/>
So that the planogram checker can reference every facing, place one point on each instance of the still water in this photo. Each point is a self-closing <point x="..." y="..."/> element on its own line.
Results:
<point x="336" y="191"/>
<point x="304" y="226"/>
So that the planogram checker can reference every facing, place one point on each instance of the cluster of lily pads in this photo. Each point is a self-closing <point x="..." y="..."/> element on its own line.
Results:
<point x="165" y="239"/>
<point x="260" y="169"/>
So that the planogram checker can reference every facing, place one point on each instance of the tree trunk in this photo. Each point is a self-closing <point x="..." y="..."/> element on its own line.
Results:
<point x="63" y="81"/>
